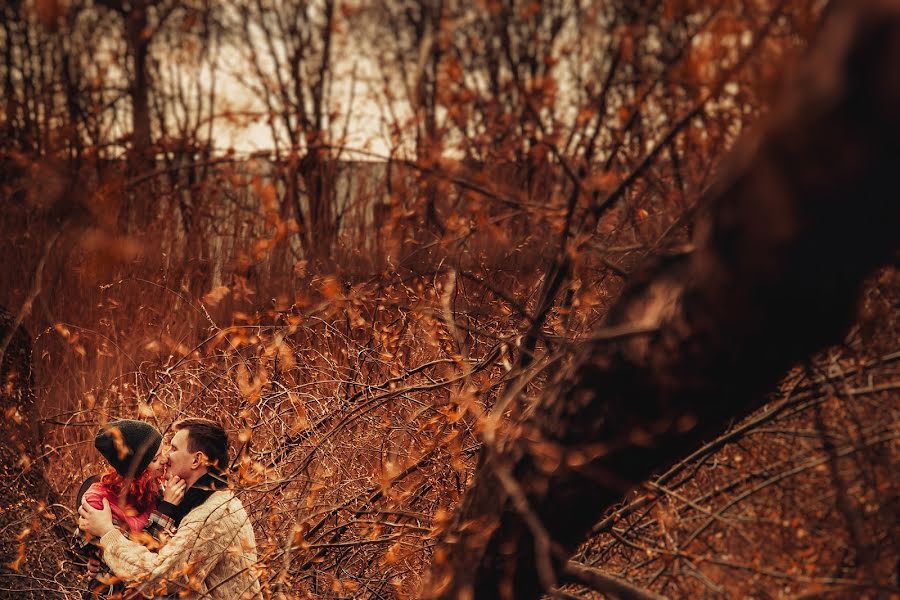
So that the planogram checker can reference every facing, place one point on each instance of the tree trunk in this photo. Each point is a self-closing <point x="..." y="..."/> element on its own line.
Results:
<point x="142" y="208"/>
<point x="804" y="212"/>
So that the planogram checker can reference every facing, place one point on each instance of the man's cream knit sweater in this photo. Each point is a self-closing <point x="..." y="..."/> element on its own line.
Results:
<point x="213" y="555"/>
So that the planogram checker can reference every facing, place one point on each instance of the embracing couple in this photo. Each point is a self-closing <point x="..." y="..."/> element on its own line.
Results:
<point x="162" y="522"/>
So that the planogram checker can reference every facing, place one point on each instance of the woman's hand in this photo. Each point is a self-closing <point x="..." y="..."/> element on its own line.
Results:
<point x="93" y="567"/>
<point x="174" y="490"/>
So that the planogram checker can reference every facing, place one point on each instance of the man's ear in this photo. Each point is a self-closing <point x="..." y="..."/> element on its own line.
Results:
<point x="199" y="460"/>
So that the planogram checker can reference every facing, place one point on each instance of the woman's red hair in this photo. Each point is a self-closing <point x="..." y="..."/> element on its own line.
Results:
<point x="142" y="491"/>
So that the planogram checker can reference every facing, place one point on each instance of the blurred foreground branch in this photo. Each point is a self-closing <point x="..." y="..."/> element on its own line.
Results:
<point x="803" y="213"/>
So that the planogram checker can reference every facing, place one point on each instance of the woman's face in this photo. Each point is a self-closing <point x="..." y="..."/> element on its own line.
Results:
<point x="157" y="466"/>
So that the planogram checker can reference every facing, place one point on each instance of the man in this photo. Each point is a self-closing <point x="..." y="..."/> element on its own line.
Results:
<point x="213" y="552"/>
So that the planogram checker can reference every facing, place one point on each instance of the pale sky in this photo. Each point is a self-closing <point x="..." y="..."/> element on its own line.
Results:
<point x="365" y="130"/>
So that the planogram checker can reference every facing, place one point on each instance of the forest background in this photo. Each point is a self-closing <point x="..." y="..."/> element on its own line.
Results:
<point x="372" y="238"/>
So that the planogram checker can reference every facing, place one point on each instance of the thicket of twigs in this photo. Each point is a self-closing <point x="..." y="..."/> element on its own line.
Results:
<point x="360" y="343"/>
<point x="356" y="425"/>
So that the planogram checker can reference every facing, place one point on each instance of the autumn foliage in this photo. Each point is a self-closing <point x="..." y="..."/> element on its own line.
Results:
<point x="364" y="311"/>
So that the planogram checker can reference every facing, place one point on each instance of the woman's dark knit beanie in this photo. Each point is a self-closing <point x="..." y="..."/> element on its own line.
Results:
<point x="128" y="445"/>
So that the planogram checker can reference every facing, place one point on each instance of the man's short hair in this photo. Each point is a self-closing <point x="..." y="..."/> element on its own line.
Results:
<point x="208" y="437"/>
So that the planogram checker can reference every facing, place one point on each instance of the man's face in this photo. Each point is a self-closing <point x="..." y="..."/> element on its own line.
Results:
<point x="181" y="461"/>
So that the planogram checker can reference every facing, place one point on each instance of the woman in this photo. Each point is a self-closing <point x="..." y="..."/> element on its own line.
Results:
<point x="133" y="487"/>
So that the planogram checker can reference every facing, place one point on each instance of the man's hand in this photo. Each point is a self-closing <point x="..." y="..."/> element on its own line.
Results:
<point x="175" y="488"/>
<point x="95" y="522"/>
